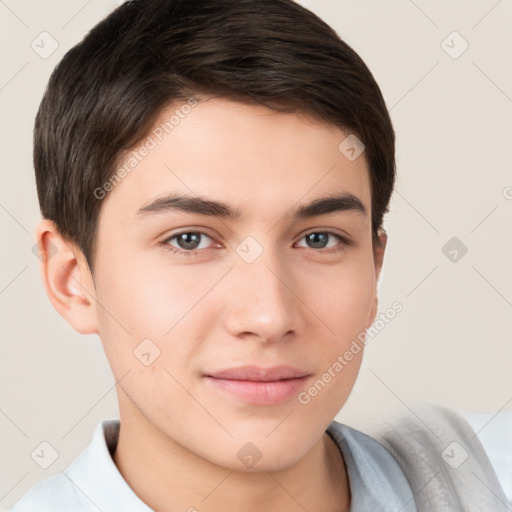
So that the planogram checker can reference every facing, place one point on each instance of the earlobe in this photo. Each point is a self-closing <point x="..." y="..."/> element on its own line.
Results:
<point x="66" y="278"/>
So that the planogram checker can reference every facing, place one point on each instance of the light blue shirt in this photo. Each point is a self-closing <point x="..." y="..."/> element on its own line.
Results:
<point x="93" y="483"/>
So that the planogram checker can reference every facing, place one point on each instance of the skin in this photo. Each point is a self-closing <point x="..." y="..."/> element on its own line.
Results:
<point x="295" y="304"/>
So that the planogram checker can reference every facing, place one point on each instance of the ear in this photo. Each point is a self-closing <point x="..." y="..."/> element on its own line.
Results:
<point x="67" y="279"/>
<point x="379" y="247"/>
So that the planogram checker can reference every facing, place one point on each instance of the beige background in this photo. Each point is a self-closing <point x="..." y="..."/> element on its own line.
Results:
<point x="451" y="344"/>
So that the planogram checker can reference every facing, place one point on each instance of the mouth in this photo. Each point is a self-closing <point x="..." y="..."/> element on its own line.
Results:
<point x="258" y="385"/>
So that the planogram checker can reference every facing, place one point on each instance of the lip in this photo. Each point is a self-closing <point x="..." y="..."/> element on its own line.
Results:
<point x="259" y="385"/>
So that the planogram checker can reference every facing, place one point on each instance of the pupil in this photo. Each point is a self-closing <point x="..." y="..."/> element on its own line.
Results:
<point x="189" y="240"/>
<point x="318" y="239"/>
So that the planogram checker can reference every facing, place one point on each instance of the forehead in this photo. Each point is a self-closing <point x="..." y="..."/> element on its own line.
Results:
<point x="258" y="160"/>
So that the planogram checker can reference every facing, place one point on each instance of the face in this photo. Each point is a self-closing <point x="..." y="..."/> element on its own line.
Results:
<point x="190" y="289"/>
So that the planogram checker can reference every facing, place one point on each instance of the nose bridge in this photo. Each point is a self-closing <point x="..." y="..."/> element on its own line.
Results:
<point x="263" y="277"/>
<point x="263" y="303"/>
<point x="260" y="271"/>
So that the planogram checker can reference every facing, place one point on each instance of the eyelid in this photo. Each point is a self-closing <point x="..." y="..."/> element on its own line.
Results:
<point x="344" y="238"/>
<point x="343" y="241"/>
<point x="198" y="231"/>
<point x="188" y="229"/>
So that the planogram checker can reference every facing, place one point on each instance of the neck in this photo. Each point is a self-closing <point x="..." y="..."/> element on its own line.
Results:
<point x="168" y="477"/>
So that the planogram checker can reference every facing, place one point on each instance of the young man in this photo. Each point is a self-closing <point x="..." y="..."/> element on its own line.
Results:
<point x="213" y="176"/>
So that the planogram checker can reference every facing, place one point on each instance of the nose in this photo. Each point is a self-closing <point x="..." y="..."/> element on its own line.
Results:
<point x="263" y="300"/>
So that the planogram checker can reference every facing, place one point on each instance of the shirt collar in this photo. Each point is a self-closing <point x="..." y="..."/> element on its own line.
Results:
<point x="376" y="481"/>
<point x="375" y="478"/>
<point x="95" y="474"/>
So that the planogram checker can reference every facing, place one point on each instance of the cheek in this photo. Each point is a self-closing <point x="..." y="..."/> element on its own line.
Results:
<point x="147" y="299"/>
<point x="155" y="302"/>
<point x="343" y="301"/>
<point x="343" y="297"/>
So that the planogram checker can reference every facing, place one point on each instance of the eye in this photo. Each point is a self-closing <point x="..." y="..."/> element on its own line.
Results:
<point x="188" y="242"/>
<point x="320" y="240"/>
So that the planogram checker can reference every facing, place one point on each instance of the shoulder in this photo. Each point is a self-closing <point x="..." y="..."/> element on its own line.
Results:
<point x="442" y="457"/>
<point x="376" y="480"/>
<point x="361" y="449"/>
<point x="54" y="494"/>
<point x="77" y="488"/>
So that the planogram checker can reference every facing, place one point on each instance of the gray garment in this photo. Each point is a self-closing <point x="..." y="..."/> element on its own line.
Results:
<point x="377" y="483"/>
<point x="93" y="482"/>
<point x="445" y="463"/>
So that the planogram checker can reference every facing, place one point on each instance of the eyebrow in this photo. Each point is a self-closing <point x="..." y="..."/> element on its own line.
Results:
<point x="344" y="202"/>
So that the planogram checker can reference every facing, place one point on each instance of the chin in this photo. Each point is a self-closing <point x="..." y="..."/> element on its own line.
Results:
<point x="256" y="454"/>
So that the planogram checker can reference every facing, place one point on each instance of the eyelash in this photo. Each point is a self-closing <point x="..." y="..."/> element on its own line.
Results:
<point x="194" y="252"/>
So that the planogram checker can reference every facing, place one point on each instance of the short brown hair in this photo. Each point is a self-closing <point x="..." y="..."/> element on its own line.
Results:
<point x="106" y="93"/>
